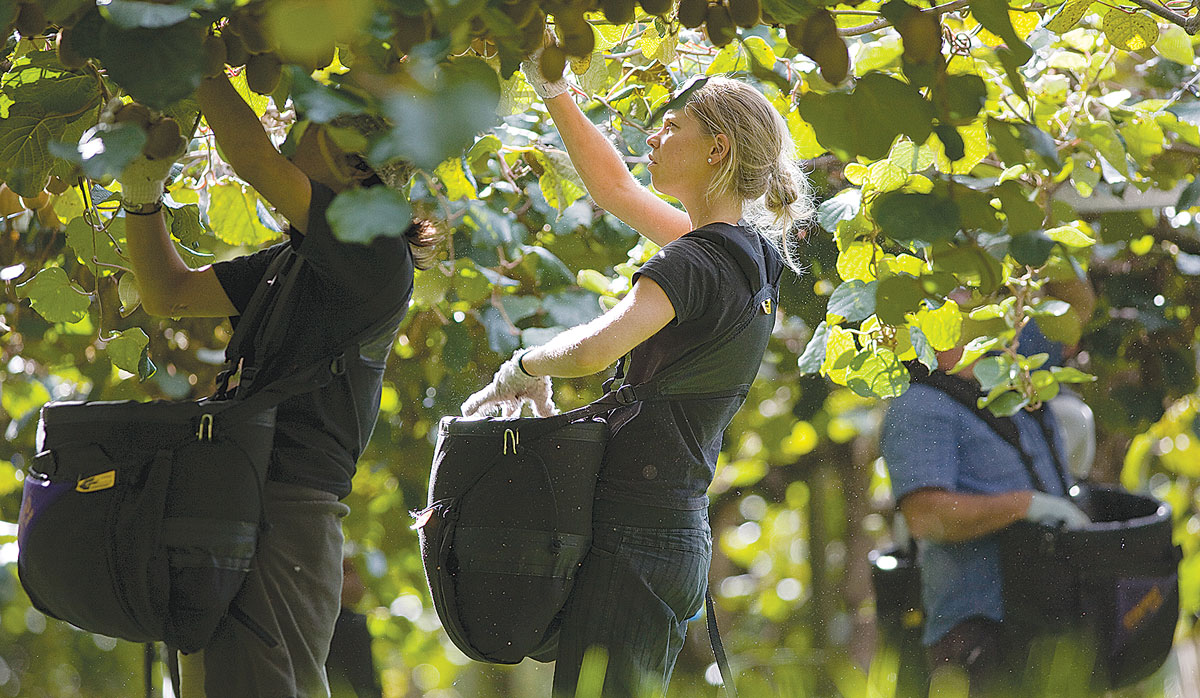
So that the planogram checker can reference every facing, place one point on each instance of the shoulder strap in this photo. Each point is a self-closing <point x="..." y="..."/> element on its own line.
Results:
<point x="967" y="394"/>
<point x="753" y="259"/>
<point x="252" y="317"/>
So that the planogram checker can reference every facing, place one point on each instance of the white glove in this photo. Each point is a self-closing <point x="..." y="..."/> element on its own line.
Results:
<point x="531" y="66"/>
<point x="143" y="180"/>
<point x="509" y="390"/>
<point x="1050" y="510"/>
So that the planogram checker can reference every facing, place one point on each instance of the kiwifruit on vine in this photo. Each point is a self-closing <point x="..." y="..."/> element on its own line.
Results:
<point x="235" y="49"/>
<point x="133" y="113"/>
<point x="164" y="141"/>
<point x="31" y="19"/>
<point x="718" y="24"/>
<point x="656" y="7"/>
<point x="692" y="13"/>
<point x="745" y="13"/>
<point x="263" y="71"/>
<point x="215" y="56"/>
<point x="64" y="48"/>
<point x="552" y="62"/>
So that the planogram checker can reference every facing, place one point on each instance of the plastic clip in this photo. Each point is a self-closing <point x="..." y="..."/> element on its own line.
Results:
<point x="766" y="306"/>
<point x="204" y="433"/>
<point x="516" y="439"/>
<point x="338" y="366"/>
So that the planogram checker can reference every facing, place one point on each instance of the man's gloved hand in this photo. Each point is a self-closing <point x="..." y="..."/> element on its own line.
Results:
<point x="1050" y="510"/>
<point x="142" y="180"/>
<point x="546" y="89"/>
<point x="509" y="390"/>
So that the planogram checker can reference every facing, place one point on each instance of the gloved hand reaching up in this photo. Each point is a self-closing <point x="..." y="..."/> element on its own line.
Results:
<point x="509" y="390"/>
<point x="143" y="178"/>
<point x="1051" y="510"/>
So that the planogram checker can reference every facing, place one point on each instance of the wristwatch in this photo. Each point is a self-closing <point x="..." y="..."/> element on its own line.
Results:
<point x="147" y="209"/>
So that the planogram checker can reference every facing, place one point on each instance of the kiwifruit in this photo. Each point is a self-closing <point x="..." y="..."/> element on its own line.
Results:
<point x="577" y="39"/>
<point x="57" y="185"/>
<point x="65" y="49"/>
<point x="533" y="33"/>
<point x="214" y="56"/>
<point x="235" y="49"/>
<point x="253" y="35"/>
<point x="33" y="203"/>
<point x="794" y="33"/>
<point x="745" y="13"/>
<point x="133" y="113"/>
<point x="31" y="19"/>
<point x="10" y="203"/>
<point x="411" y="31"/>
<point x="719" y="25"/>
<point x="48" y="218"/>
<point x="618" y="11"/>
<point x="520" y="12"/>
<point x="692" y="12"/>
<point x="552" y="62"/>
<point x="163" y="140"/>
<point x="263" y="71"/>
<point x="656" y="7"/>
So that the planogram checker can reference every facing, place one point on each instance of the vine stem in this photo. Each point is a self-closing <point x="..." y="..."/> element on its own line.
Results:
<point x="882" y="23"/>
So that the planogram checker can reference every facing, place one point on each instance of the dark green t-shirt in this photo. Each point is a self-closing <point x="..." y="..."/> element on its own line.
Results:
<point x="343" y="289"/>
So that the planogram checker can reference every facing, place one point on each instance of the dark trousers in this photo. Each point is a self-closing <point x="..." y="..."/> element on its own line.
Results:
<point x="633" y="596"/>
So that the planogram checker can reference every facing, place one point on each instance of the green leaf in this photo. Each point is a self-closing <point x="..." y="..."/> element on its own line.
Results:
<point x="361" y="215"/>
<point x="54" y="297"/>
<point x="22" y="396"/>
<point x="896" y="297"/>
<point x="185" y="224"/>
<point x="814" y="353"/>
<point x="430" y="287"/>
<point x="924" y="350"/>
<point x="1004" y="404"/>
<point x="104" y="151"/>
<point x="853" y="301"/>
<point x="173" y="73"/>
<point x="1032" y="248"/>
<point x="1051" y="307"/>
<point x="129" y="293"/>
<point x="25" y="136"/>
<point x="128" y="14"/>
<point x="233" y="215"/>
<point x="881" y="375"/>
<point x="1175" y="45"/>
<point x="992" y="371"/>
<point x="455" y="180"/>
<point x="924" y="217"/>
<point x="127" y="349"/>
<point x="942" y="326"/>
<point x="1066" y="374"/>
<point x="571" y="307"/>
<point x="1070" y="236"/>
<point x="993" y="15"/>
<point x="1068" y="15"/>
<point x="92" y="246"/>
<point x="502" y="337"/>
<point x="972" y="265"/>
<point x="1021" y="214"/>
<point x="843" y="207"/>
<point x="559" y="182"/>
<point x="321" y="103"/>
<point x="1129" y="31"/>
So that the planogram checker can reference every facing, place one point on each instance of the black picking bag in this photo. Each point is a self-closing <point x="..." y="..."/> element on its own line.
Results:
<point x="500" y="563"/>
<point x="139" y="520"/>
<point x="1117" y="579"/>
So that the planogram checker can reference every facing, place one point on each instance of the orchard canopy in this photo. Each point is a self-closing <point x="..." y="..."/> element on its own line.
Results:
<point x="1015" y="151"/>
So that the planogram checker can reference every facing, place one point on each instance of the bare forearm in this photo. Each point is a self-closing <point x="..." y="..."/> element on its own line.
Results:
<point x="596" y="160"/>
<point x="952" y="517"/>
<point x="568" y="355"/>
<point x="168" y="287"/>
<point x="238" y="130"/>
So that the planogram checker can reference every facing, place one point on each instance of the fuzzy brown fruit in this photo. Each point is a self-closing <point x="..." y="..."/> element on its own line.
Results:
<point x="656" y="7"/>
<point x="64" y="48"/>
<point x="31" y="19"/>
<point x="618" y="11"/>
<point x="577" y="39"/>
<point x="34" y="203"/>
<point x="235" y="49"/>
<point x="48" y="218"/>
<point x="163" y="140"/>
<point x="553" y="62"/>
<point x="745" y="13"/>
<point x="411" y="31"/>
<point x="692" y="12"/>
<point x="57" y="185"/>
<point x="133" y="113"/>
<point x="719" y="25"/>
<point x="214" y="56"/>
<point x="263" y="71"/>
<point x="254" y="36"/>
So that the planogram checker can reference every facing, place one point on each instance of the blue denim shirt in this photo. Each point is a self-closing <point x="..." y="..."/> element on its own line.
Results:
<point x="931" y="441"/>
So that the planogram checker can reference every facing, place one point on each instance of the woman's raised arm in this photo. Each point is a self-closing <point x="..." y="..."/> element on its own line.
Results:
<point x="608" y="180"/>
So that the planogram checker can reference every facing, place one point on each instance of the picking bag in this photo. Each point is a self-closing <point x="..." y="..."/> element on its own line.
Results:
<point x="508" y="524"/>
<point x="1117" y="580"/>
<point x="139" y="520"/>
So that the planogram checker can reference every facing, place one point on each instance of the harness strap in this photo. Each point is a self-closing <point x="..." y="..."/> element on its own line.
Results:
<point x="718" y="647"/>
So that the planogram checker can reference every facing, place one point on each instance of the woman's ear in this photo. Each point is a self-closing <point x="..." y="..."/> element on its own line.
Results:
<point x="720" y="148"/>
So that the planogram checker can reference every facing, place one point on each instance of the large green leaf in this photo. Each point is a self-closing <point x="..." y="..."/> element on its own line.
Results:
<point x="233" y="215"/>
<point x="814" y="353"/>
<point x="104" y="151"/>
<point x="54" y="297"/>
<point x="971" y="265"/>
<point x="157" y="66"/>
<point x="128" y="14"/>
<point x="924" y="217"/>
<point x="25" y="138"/>
<point x="95" y="247"/>
<point x="993" y="15"/>
<point x="853" y="301"/>
<point x="842" y="207"/>
<point x="896" y="297"/>
<point x="361" y="215"/>
<point x="128" y="349"/>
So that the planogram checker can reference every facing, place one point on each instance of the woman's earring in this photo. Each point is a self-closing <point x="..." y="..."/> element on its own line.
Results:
<point x="710" y="161"/>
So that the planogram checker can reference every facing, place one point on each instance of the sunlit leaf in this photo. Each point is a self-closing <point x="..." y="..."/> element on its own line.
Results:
<point x="54" y="297"/>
